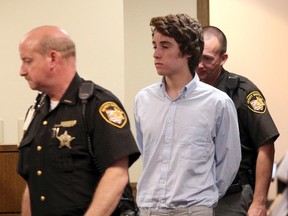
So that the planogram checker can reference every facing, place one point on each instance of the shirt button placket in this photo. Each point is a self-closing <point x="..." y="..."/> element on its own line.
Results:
<point x="40" y="172"/>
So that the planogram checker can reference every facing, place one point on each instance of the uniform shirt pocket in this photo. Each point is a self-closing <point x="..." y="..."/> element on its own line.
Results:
<point x="61" y="158"/>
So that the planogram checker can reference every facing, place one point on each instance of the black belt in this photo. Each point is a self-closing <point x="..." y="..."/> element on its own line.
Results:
<point x="240" y="180"/>
<point x="234" y="188"/>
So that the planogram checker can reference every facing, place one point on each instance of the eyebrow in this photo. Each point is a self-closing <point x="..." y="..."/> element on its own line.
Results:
<point x="163" y="42"/>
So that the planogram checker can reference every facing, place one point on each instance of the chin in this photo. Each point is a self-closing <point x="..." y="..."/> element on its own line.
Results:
<point x="33" y="87"/>
<point x="160" y="73"/>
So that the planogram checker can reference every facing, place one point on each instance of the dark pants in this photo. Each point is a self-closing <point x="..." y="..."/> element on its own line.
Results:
<point x="235" y="204"/>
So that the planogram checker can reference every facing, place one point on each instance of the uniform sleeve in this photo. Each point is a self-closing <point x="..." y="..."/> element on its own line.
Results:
<point x="258" y="119"/>
<point x="227" y="146"/>
<point x="113" y="138"/>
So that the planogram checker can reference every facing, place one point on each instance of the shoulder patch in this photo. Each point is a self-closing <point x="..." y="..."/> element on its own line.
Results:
<point x="256" y="102"/>
<point x="113" y="114"/>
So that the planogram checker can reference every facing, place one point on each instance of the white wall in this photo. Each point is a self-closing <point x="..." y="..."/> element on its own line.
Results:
<point x="97" y="29"/>
<point x="257" y="33"/>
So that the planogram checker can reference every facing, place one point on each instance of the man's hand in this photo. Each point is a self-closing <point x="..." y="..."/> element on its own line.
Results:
<point x="257" y="210"/>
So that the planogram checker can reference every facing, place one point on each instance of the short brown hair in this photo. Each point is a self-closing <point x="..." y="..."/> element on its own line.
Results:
<point x="63" y="45"/>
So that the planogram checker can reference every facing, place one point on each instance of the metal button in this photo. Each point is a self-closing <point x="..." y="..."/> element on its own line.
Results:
<point x="39" y="172"/>
<point x="39" y="148"/>
<point x="45" y="122"/>
<point x="42" y="198"/>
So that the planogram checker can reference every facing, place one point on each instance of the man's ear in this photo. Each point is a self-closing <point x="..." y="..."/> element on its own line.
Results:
<point x="54" y="57"/>
<point x="223" y="58"/>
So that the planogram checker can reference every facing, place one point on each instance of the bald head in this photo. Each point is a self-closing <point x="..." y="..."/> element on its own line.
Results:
<point x="212" y="31"/>
<point x="47" y="30"/>
<point x="46" y="38"/>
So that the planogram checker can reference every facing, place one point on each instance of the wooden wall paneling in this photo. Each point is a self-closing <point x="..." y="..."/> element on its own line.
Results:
<point x="11" y="184"/>
<point x="203" y="12"/>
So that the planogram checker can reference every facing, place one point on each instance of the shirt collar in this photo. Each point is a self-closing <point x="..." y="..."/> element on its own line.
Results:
<point x="71" y="95"/>
<point x="186" y="89"/>
<point x="192" y="84"/>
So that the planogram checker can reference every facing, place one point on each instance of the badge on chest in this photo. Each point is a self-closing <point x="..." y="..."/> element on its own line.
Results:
<point x="65" y="138"/>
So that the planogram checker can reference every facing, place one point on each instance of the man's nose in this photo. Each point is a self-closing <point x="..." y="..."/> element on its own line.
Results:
<point x="200" y="65"/>
<point x="156" y="53"/>
<point x="22" y="71"/>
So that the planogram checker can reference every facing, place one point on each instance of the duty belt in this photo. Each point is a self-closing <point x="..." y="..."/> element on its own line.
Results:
<point x="240" y="180"/>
